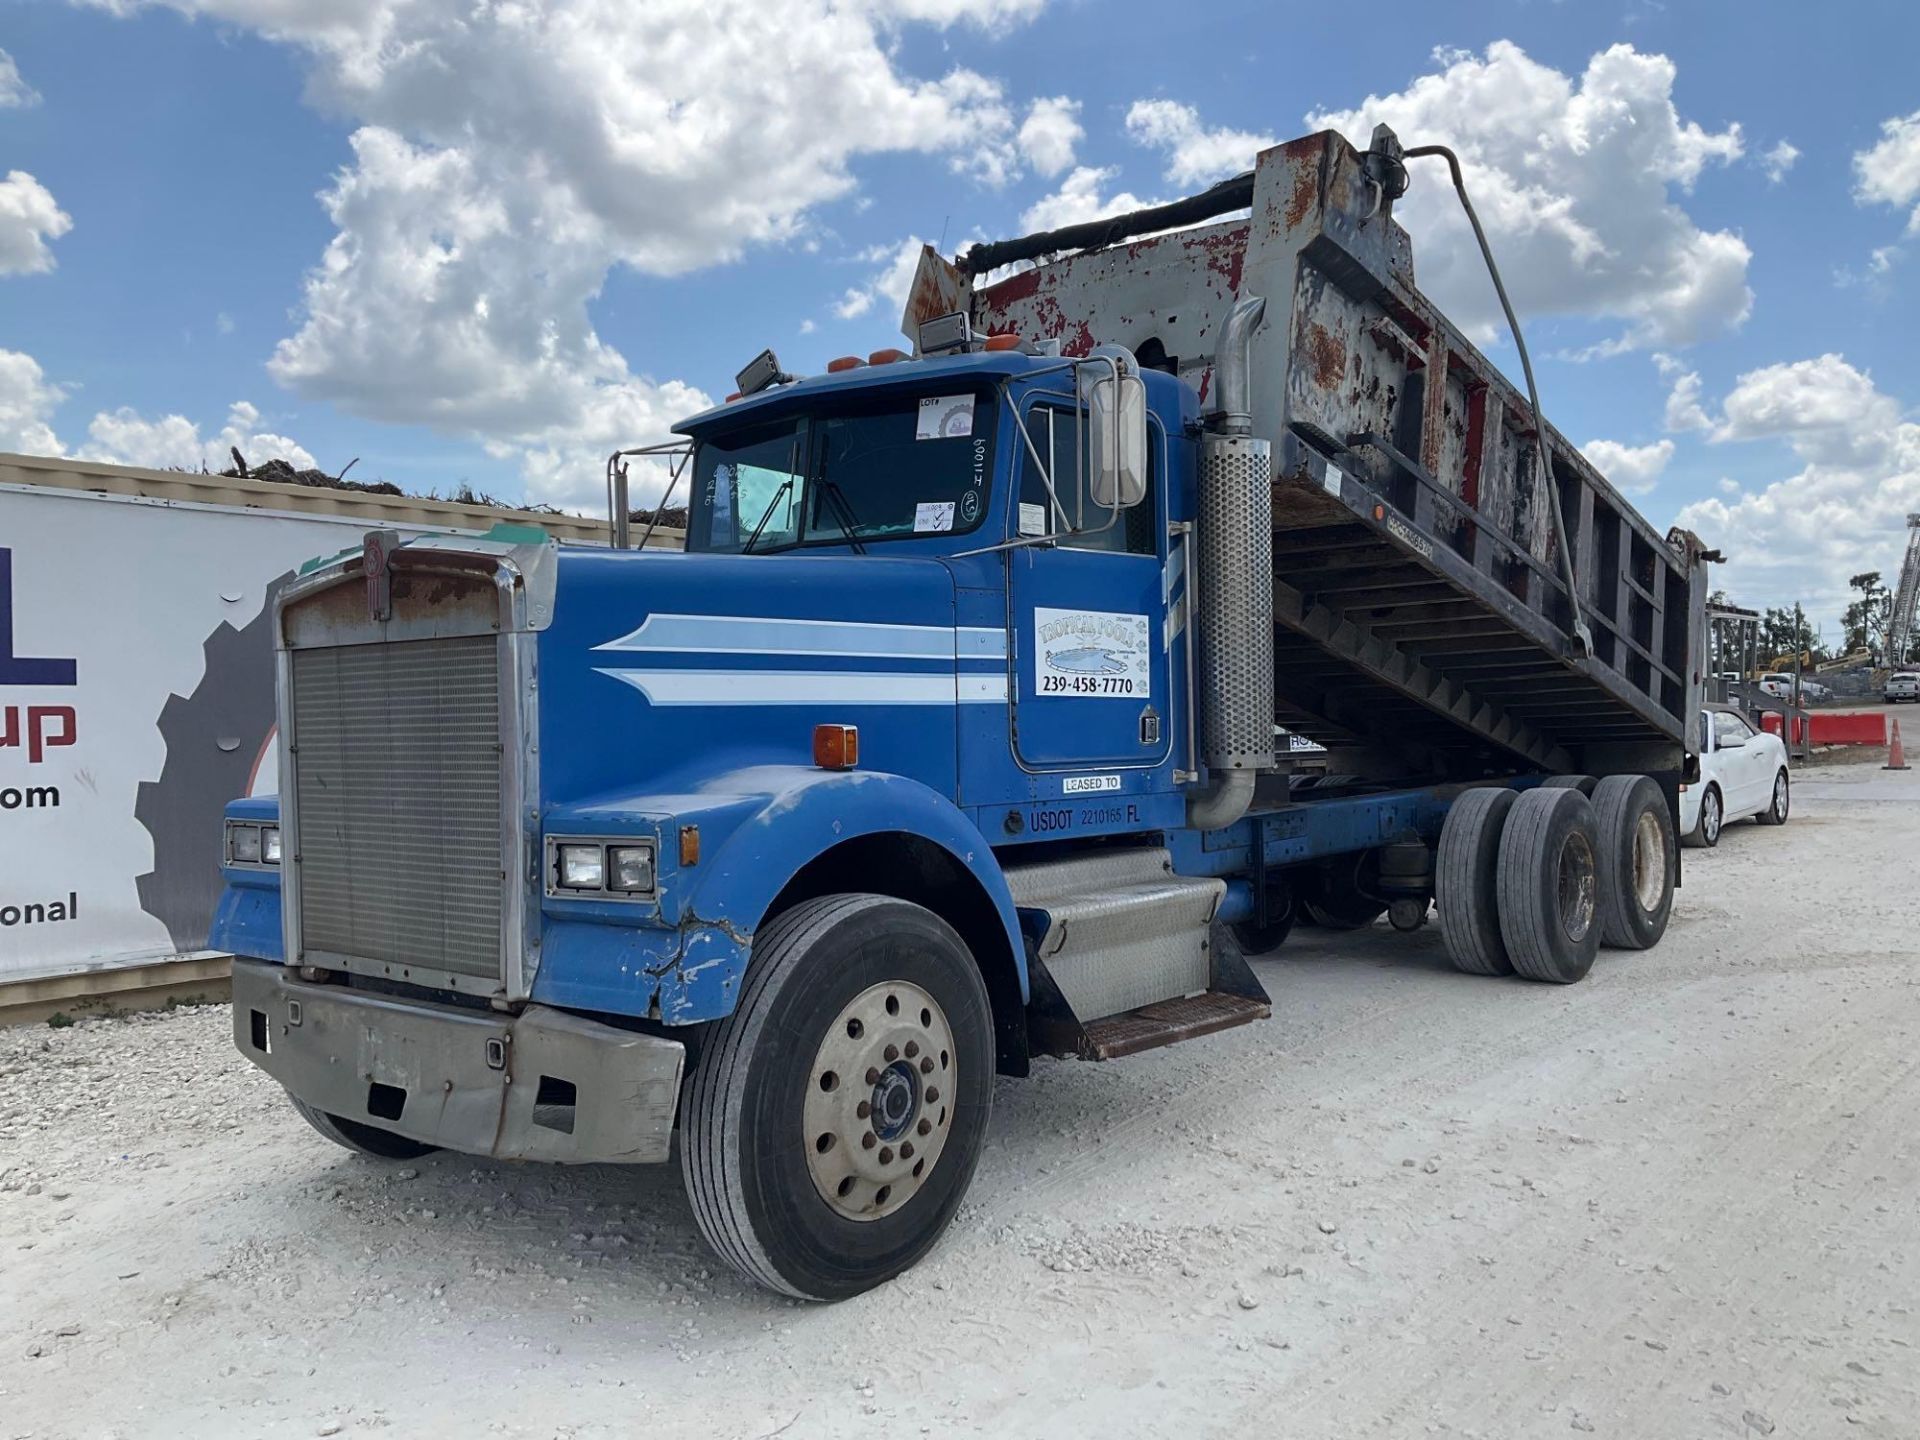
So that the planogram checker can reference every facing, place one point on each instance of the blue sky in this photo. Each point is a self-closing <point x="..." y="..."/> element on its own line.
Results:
<point x="551" y="238"/>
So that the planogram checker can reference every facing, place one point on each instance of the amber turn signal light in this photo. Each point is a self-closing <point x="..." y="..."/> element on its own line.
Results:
<point x="836" y="747"/>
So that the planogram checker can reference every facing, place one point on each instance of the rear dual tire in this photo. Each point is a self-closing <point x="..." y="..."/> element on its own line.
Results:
<point x="1532" y="882"/>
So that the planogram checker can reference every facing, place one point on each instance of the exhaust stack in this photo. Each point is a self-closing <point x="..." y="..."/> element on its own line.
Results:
<point x="1235" y="619"/>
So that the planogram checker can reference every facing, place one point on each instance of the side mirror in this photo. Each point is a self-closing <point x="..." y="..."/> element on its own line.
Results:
<point x="1116" y="432"/>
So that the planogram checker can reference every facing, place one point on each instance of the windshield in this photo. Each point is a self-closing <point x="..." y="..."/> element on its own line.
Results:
<point x="885" y="469"/>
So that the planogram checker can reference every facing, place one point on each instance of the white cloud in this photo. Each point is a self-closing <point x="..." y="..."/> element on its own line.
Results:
<point x="29" y="218"/>
<point x="1842" y="512"/>
<point x="27" y="402"/>
<point x="507" y="157"/>
<point x="1195" y="154"/>
<point x="1048" y="136"/>
<point x="1079" y="199"/>
<point x="223" y="322"/>
<point x="889" y="283"/>
<point x="1889" y="172"/>
<point x="1683" y="410"/>
<point x="173" y="442"/>
<point x="1575" y="181"/>
<point x="1632" y="468"/>
<point x="15" y="93"/>
<point x="1779" y="160"/>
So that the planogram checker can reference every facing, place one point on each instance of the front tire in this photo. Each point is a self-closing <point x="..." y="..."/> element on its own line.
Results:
<point x="1776" y="811"/>
<point x="361" y="1138"/>
<point x="1713" y="815"/>
<point x="836" y="1116"/>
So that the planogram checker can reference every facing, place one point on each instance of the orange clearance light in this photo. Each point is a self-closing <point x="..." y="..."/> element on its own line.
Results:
<point x="733" y="397"/>
<point x="887" y="357"/>
<point x="844" y="362"/>
<point x="836" y="747"/>
<point x="689" y="845"/>
<point x="1379" y="512"/>
<point x="1003" y="342"/>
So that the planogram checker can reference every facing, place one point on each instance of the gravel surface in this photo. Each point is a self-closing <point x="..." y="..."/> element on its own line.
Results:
<point x="1678" y="1199"/>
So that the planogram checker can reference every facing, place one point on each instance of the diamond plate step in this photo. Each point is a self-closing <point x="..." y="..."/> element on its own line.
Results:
<point x="1118" y="930"/>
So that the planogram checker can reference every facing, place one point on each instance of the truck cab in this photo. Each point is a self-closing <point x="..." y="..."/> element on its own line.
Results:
<point x="954" y="738"/>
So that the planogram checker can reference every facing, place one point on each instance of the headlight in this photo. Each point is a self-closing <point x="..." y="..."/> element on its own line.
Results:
<point x="245" y="844"/>
<point x="582" y="867"/>
<point x="629" y="868"/>
<point x="270" y="844"/>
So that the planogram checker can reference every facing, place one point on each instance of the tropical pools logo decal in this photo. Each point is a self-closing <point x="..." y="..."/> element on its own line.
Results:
<point x="1090" y="654"/>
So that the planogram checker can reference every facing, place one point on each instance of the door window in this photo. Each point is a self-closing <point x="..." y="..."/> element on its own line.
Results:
<point x="1729" y="730"/>
<point x="1056" y="434"/>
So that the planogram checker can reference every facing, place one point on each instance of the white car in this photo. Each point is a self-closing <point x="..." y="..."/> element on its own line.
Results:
<point x="1743" y="771"/>
<point x="1903" y="685"/>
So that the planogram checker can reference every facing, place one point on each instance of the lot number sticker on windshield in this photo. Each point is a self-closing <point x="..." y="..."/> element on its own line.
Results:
<point x="945" y="417"/>
<point x="1090" y="654"/>
<point x="932" y="515"/>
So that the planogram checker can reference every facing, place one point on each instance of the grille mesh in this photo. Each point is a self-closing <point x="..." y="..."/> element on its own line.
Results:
<point x="397" y="780"/>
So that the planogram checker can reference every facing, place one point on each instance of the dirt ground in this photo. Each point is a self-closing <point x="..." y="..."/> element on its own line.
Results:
<point x="1680" y="1199"/>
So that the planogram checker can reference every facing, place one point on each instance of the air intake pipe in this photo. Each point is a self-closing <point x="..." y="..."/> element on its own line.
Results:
<point x="1235" y="619"/>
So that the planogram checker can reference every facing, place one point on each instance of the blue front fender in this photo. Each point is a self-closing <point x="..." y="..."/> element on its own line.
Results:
<point x="692" y="972"/>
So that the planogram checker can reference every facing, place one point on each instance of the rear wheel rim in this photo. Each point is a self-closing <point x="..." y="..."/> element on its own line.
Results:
<point x="880" y="1100"/>
<point x="1575" y="884"/>
<point x="1649" y="862"/>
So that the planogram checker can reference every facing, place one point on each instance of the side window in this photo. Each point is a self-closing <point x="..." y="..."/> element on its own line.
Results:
<point x="1730" y="729"/>
<point x="1055" y="430"/>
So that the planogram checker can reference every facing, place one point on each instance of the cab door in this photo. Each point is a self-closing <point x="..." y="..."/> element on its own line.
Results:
<point x="1087" y="614"/>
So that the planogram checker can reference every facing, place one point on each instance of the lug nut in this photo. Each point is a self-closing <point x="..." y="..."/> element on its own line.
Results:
<point x="925" y="1127"/>
<point x="873" y="1076"/>
<point x="869" y="1140"/>
<point x="933" y="1092"/>
<point x="906" y="1151"/>
<point x="913" y="1048"/>
<point x="886" y="1155"/>
<point x="863" y="1109"/>
<point x="892" y="1053"/>
<point x="926" y="1065"/>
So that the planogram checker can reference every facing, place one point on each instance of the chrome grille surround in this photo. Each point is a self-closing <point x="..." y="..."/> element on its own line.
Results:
<point x="408" y="775"/>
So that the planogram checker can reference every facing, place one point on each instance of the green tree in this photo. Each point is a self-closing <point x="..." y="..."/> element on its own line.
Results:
<point x="1867" y="618"/>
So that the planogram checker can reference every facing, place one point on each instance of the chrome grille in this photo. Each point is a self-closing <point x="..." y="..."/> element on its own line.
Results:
<point x="396" y="778"/>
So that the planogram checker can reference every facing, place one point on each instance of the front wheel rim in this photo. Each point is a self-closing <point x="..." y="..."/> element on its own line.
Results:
<point x="1712" y="827"/>
<point x="1780" y="797"/>
<point x="880" y="1100"/>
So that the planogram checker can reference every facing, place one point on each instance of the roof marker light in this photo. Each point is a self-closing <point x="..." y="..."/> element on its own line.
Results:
<point x="1003" y="342"/>
<point x="844" y="362"/>
<point x="887" y="356"/>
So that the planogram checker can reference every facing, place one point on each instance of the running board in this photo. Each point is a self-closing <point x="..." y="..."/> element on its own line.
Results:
<point x="1168" y="1023"/>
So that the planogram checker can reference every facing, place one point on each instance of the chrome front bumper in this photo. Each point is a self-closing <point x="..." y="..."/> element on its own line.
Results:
<point x="540" y="1085"/>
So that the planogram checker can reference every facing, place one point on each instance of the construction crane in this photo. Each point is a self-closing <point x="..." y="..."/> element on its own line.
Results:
<point x="1906" y="595"/>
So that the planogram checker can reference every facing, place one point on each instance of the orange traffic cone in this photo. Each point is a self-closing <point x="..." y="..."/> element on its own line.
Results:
<point x="1896" y="752"/>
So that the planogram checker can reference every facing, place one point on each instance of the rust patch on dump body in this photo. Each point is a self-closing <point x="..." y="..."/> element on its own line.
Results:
<point x="1306" y="190"/>
<point x="1327" y="356"/>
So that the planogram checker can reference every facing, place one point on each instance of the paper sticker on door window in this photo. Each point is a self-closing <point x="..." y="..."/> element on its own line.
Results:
<point x="1033" y="519"/>
<point x="931" y="515"/>
<point x="1091" y="655"/>
<point x="945" y="417"/>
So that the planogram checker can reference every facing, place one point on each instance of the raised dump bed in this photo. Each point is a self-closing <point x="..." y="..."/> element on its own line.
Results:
<point x="1421" y="599"/>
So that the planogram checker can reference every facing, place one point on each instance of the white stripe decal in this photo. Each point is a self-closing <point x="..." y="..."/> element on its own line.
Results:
<point x="781" y="635"/>
<point x="810" y="687"/>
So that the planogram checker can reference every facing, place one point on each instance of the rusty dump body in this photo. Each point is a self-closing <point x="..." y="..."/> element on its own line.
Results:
<point x="1419" y="604"/>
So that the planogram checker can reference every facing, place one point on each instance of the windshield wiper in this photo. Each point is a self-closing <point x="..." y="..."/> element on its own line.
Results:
<point x="843" y="512"/>
<point x="786" y="486"/>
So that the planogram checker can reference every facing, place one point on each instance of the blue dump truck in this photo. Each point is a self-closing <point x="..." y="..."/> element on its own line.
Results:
<point x="1191" y="577"/>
